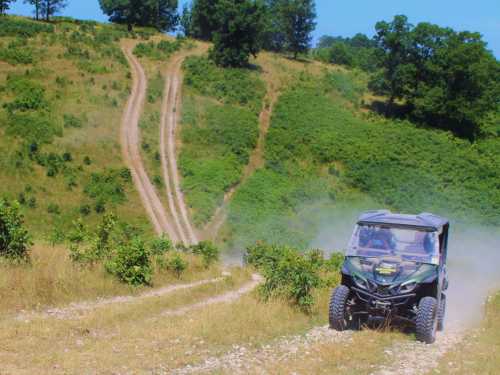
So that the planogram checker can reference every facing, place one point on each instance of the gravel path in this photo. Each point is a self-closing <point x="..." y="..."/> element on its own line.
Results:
<point x="130" y="141"/>
<point x="415" y="358"/>
<point x="242" y="360"/>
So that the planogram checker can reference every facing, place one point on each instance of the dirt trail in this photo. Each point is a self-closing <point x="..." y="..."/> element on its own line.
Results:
<point x="75" y="310"/>
<point x="243" y="360"/>
<point x="130" y="140"/>
<point x="415" y="358"/>
<point x="256" y="159"/>
<point x="227" y="297"/>
<point x="169" y="120"/>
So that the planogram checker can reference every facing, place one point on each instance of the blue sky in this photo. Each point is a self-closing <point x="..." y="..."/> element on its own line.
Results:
<point x="346" y="18"/>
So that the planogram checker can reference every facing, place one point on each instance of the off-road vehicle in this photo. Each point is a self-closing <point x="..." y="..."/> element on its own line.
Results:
<point x="394" y="270"/>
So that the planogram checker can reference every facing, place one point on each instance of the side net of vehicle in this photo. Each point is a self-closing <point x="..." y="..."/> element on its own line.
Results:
<point x="394" y="271"/>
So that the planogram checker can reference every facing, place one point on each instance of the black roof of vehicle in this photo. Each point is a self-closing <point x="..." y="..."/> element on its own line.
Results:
<point x="423" y="220"/>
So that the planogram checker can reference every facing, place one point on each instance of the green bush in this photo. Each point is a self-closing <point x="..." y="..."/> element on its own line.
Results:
<point x="290" y="274"/>
<point x="14" y="238"/>
<point x="161" y="245"/>
<point x="107" y="186"/>
<point x="208" y="251"/>
<point x="131" y="263"/>
<point x="177" y="264"/>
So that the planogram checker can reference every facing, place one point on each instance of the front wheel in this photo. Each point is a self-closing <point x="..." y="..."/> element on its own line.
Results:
<point x="427" y="320"/>
<point x="441" y="313"/>
<point x="338" y="308"/>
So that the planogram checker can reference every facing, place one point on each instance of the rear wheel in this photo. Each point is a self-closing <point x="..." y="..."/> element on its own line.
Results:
<point x="441" y="313"/>
<point x="338" y="315"/>
<point x="427" y="320"/>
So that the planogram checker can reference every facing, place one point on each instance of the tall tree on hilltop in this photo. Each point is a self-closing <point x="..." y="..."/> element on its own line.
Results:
<point x="51" y="7"/>
<point x="161" y="14"/>
<point x="4" y="6"/>
<point x="37" y="4"/>
<point x="186" y="20"/>
<point x="203" y="18"/>
<point x="298" y="21"/>
<point x="394" y="40"/>
<point x="237" y="34"/>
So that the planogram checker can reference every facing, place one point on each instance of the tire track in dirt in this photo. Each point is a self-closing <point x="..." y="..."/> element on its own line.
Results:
<point x="130" y="148"/>
<point x="76" y="309"/>
<point x="169" y="120"/>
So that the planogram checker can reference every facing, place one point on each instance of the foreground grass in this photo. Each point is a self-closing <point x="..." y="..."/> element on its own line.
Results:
<point x="480" y="352"/>
<point x="53" y="280"/>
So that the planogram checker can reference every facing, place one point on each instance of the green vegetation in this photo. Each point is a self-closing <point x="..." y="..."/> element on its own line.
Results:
<point x="217" y="137"/>
<point x="240" y="28"/>
<point x="14" y="238"/>
<point x="447" y="79"/>
<point x="356" y="52"/>
<point x="319" y="150"/>
<point x="208" y="251"/>
<point x="237" y="33"/>
<point x="294" y="275"/>
<point x="59" y="123"/>
<point x="158" y="51"/>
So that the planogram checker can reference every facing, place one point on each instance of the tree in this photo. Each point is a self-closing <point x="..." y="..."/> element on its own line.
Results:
<point x="297" y="19"/>
<point x="50" y="7"/>
<point x="394" y="40"/>
<point x="203" y="18"/>
<point x="273" y="36"/>
<point x="4" y="6"/>
<point x="37" y="4"/>
<point x="161" y="14"/>
<point x="446" y="79"/>
<point x="186" y="20"/>
<point x="237" y="34"/>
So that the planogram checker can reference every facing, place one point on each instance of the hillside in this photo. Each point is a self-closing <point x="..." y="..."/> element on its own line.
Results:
<point x="126" y="150"/>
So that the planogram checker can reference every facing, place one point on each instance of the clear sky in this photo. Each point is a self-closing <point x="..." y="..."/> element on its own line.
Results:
<point x="346" y="18"/>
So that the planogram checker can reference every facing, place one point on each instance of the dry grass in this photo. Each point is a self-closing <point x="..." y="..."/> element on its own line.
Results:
<point x="480" y="352"/>
<point x="137" y="339"/>
<point x="52" y="280"/>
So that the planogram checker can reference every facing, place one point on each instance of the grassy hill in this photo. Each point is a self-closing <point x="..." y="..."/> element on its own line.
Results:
<point x="63" y="87"/>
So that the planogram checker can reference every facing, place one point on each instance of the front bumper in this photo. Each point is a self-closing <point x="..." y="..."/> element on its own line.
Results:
<point x="382" y="301"/>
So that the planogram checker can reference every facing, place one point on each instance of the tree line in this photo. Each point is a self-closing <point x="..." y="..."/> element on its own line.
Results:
<point x="237" y="28"/>
<point x="435" y="75"/>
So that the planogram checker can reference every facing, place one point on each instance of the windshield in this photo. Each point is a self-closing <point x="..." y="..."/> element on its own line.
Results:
<point x="409" y="244"/>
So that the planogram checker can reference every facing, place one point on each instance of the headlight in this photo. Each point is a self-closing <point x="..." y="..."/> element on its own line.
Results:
<point x="360" y="283"/>
<point x="408" y="287"/>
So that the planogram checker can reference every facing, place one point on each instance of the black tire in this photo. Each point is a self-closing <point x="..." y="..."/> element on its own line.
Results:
<point x="337" y="311"/>
<point x="427" y="319"/>
<point x="441" y="313"/>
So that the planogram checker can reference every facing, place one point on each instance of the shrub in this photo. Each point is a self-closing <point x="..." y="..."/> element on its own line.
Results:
<point x="208" y="251"/>
<point x="54" y="209"/>
<point x="14" y="238"/>
<point x="131" y="263"/>
<point x="291" y="274"/>
<point x="71" y="121"/>
<point x="161" y="245"/>
<point x="107" y="186"/>
<point x="177" y="264"/>
<point x="17" y="52"/>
